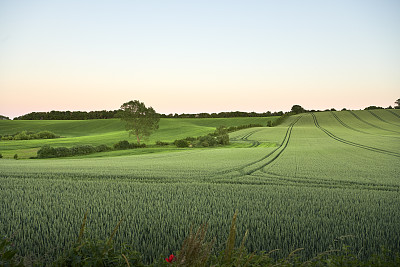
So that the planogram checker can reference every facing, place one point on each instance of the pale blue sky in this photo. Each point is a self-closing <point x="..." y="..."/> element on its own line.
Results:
<point x="198" y="56"/>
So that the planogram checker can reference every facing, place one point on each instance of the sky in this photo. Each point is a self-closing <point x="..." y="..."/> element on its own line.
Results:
<point x="198" y="56"/>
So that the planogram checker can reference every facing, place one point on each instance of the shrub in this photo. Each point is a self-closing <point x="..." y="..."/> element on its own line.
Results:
<point x="16" y="156"/>
<point x="46" y="135"/>
<point x="22" y="136"/>
<point x="181" y="143"/>
<point x="46" y="151"/>
<point x="135" y="145"/>
<point x="161" y="143"/>
<point x="7" y="137"/>
<point x="102" y="148"/>
<point x="82" y="150"/>
<point x="55" y="152"/>
<point x="207" y="140"/>
<point x="62" y="152"/>
<point x="28" y="135"/>
<point x="122" y="145"/>
<point x="126" y="145"/>
<point x="223" y="139"/>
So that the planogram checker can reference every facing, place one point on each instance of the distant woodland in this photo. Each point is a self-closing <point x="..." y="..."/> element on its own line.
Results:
<point x="104" y="114"/>
<point x="111" y="114"/>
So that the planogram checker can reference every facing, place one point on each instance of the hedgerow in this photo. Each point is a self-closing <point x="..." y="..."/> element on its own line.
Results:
<point x="26" y="135"/>
<point x="126" y="145"/>
<point x="47" y="151"/>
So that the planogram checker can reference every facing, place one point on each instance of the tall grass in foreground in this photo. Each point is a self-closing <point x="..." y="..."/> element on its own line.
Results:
<point x="196" y="251"/>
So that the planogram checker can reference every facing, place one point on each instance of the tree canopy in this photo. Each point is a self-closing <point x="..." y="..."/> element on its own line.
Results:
<point x="139" y="120"/>
<point x="397" y="102"/>
<point x="296" y="109"/>
<point x="4" y="117"/>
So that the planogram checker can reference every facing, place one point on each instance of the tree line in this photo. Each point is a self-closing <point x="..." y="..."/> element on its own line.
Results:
<point x="69" y="115"/>
<point x="231" y="114"/>
<point x="112" y="114"/>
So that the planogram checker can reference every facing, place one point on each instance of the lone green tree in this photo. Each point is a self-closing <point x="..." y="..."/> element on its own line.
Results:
<point x="139" y="120"/>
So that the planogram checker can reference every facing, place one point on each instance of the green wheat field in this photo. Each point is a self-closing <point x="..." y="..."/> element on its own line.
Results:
<point x="313" y="180"/>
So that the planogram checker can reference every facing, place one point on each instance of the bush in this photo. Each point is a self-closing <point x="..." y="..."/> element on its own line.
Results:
<point x="55" y="152"/>
<point x="122" y="145"/>
<point x="181" y="143"/>
<point x="160" y="143"/>
<point x="219" y="137"/>
<point x="126" y="145"/>
<point x="16" y="156"/>
<point x="82" y="150"/>
<point x="135" y="145"/>
<point x="223" y="139"/>
<point x="22" y="136"/>
<point x="102" y="148"/>
<point x="27" y="135"/>
<point x="46" y="151"/>
<point x="46" y="135"/>
<point x="207" y="140"/>
<point x="62" y="152"/>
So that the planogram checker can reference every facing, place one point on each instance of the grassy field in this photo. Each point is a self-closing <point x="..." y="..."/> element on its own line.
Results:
<point x="304" y="184"/>
<point x="108" y="132"/>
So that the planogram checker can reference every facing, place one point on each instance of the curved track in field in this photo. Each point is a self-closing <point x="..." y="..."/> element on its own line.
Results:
<point x="270" y="157"/>
<point x="347" y="126"/>
<point x="272" y="178"/>
<point x="344" y="141"/>
<point x="393" y="113"/>
<point x="370" y="124"/>
<point x="379" y="118"/>
<point x="254" y="143"/>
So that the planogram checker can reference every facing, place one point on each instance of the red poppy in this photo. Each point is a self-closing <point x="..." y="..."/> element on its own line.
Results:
<point x="171" y="258"/>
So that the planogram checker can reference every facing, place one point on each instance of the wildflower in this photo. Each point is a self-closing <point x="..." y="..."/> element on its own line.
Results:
<point x="171" y="258"/>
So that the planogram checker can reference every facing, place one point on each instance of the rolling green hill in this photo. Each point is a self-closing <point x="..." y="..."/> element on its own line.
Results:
<point x="304" y="184"/>
<point x="108" y="132"/>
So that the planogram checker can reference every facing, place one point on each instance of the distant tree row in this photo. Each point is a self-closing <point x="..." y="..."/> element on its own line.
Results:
<point x="231" y="114"/>
<point x="4" y="117"/>
<point x="69" y="115"/>
<point x="104" y="114"/>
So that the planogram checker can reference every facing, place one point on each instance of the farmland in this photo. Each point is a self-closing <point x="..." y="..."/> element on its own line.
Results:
<point x="303" y="184"/>
<point x="108" y="132"/>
